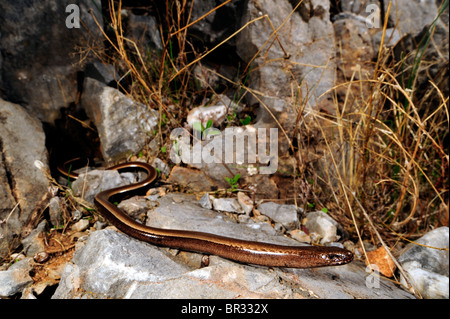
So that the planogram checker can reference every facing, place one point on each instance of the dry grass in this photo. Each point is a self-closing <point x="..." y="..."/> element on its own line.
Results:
<point x="388" y="153"/>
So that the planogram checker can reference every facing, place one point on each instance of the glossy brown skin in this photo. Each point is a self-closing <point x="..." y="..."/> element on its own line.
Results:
<point x="243" y="251"/>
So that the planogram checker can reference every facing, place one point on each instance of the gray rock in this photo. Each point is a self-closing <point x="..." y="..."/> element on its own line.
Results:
<point x="17" y="257"/>
<point x="307" y="36"/>
<point x="13" y="282"/>
<point x="391" y="38"/>
<point x="162" y="166"/>
<point x="118" y="264"/>
<point x="195" y="180"/>
<point x="22" y="185"/>
<point x="80" y="225"/>
<point x="39" y="74"/>
<point x="323" y="225"/>
<point x="245" y="202"/>
<point x="431" y="285"/>
<point x="217" y="25"/>
<point x="16" y="278"/>
<point x="28" y="293"/>
<point x="194" y="217"/>
<point x="410" y="17"/>
<point x="216" y="113"/>
<point x="113" y="265"/>
<point x="284" y="214"/>
<point x="144" y="29"/>
<point x="90" y="184"/>
<point x="123" y="125"/>
<point x="227" y="205"/>
<point x="426" y="267"/>
<point x="33" y="243"/>
<point x="137" y="206"/>
<point x="355" y="48"/>
<point x="55" y="211"/>
<point x="205" y="201"/>
<point x="77" y="215"/>
<point x="25" y="265"/>
<point x="244" y="150"/>
<point x="435" y="260"/>
<point x="102" y="72"/>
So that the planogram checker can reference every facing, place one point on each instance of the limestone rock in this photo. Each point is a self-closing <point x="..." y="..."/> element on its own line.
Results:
<point x="124" y="126"/>
<point x="22" y="142"/>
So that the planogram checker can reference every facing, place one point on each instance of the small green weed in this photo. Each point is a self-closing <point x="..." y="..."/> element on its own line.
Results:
<point x="233" y="182"/>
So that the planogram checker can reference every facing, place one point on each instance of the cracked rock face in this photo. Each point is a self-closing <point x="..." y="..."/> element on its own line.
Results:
<point x="123" y="124"/>
<point x="38" y="69"/>
<point x="22" y="185"/>
<point x="302" y="53"/>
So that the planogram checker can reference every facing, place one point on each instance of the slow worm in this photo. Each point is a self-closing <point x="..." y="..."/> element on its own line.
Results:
<point x="249" y="252"/>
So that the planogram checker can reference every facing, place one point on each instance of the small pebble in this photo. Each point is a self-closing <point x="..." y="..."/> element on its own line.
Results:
<point x="381" y="259"/>
<point x="205" y="261"/>
<point x="99" y="225"/>
<point x="323" y="226"/>
<point x="27" y="293"/>
<point x="243" y="218"/>
<point x="17" y="257"/>
<point x="262" y="218"/>
<point x="245" y="202"/>
<point x="41" y="257"/>
<point x="279" y="228"/>
<point x="205" y="201"/>
<point x="284" y="214"/>
<point x="81" y="225"/>
<point x="349" y="245"/>
<point x="76" y="215"/>
<point x="177" y="199"/>
<point x="227" y="205"/>
<point x="300" y="236"/>
<point x="55" y="211"/>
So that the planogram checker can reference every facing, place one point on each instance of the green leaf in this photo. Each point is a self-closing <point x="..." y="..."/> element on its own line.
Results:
<point x="246" y="121"/>
<point x="198" y="126"/>
<point x="233" y="181"/>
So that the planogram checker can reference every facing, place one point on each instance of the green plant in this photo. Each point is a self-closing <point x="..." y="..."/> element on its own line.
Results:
<point x="246" y="120"/>
<point x="69" y="182"/>
<point x="233" y="182"/>
<point x="232" y="117"/>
